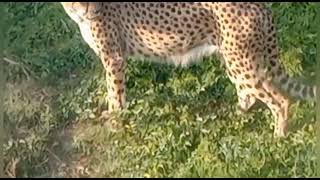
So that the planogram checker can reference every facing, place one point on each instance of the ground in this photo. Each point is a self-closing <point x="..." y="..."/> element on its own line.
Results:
<point x="181" y="122"/>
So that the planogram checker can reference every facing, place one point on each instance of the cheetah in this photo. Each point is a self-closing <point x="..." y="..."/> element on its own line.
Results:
<point x="181" y="33"/>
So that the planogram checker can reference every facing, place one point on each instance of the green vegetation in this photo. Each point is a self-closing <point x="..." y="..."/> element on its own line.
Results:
<point x="180" y="122"/>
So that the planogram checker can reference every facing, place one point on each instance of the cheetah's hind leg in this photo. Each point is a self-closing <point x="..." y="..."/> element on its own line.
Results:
<point x="246" y="102"/>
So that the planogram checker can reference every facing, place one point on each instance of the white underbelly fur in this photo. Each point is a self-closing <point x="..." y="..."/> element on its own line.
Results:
<point x="191" y="56"/>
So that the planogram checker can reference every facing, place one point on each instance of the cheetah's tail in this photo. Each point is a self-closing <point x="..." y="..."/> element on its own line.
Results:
<point x="288" y="85"/>
<point x="295" y="89"/>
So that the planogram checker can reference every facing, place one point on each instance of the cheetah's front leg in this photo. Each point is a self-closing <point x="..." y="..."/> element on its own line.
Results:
<point x="109" y="51"/>
<point x="115" y="83"/>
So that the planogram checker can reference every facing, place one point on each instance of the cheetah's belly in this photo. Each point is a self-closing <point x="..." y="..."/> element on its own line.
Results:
<point x="192" y="55"/>
<point x="172" y="55"/>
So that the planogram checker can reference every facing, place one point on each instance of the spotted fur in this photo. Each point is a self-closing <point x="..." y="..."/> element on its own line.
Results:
<point x="181" y="33"/>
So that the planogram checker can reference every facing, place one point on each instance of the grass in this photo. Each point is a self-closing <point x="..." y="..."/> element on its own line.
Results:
<point x="180" y="122"/>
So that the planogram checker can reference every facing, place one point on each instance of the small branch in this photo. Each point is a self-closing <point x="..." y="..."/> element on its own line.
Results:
<point x="10" y="61"/>
<point x="55" y="156"/>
